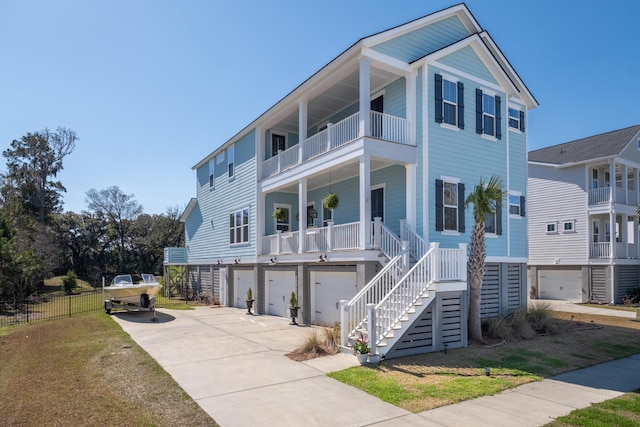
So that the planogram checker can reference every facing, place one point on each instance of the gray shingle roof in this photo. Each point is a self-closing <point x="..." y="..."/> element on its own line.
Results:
<point x="593" y="147"/>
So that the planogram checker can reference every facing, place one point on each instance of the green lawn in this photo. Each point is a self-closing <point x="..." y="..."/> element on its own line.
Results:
<point x="622" y="411"/>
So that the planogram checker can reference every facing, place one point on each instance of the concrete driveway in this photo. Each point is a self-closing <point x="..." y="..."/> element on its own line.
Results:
<point x="234" y="366"/>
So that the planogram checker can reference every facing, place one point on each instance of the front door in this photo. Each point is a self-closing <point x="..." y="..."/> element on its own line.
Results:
<point x="376" y="120"/>
<point x="377" y="203"/>
<point x="278" y="143"/>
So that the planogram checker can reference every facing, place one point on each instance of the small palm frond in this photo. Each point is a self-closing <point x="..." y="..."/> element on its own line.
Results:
<point x="485" y="197"/>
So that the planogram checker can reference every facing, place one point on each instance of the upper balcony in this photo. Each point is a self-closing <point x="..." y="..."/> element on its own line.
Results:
<point x="608" y="195"/>
<point x="382" y="126"/>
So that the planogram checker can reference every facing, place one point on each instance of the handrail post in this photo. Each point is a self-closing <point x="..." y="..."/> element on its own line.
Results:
<point x="435" y="261"/>
<point x="462" y="261"/>
<point x="329" y="235"/>
<point x="405" y="257"/>
<point x="278" y="241"/>
<point x="403" y="232"/>
<point x="344" y="323"/>
<point x="371" y="327"/>
<point x="377" y="231"/>
<point x="329" y="128"/>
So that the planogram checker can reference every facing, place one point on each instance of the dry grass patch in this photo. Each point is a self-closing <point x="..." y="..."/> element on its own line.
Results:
<point x="320" y="342"/>
<point x="86" y="371"/>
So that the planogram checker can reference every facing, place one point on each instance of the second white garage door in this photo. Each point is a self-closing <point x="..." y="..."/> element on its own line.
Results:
<point x="560" y="285"/>
<point x="279" y="285"/>
<point x="327" y="289"/>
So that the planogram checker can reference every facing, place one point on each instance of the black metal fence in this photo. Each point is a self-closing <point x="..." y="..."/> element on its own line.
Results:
<point x="49" y="306"/>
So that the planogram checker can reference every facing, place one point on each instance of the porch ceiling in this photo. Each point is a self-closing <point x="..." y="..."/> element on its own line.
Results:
<point x="326" y="99"/>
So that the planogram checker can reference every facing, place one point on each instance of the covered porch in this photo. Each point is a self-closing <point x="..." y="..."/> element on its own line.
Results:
<point x="617" y="241"/>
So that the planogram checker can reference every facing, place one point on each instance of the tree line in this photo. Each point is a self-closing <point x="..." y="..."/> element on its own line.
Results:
<point x="39" y="240"/>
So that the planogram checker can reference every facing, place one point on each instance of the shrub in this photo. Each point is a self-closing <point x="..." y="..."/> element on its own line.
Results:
<point x="70" y="282"/>
<point x="523" y="323"/>
<point x="312" y="343"/>
<point x="331" y="337"/>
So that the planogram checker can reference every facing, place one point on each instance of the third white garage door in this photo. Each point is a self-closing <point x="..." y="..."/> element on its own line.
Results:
<point x="560" y="284"/>
<point x="279" y="285"/>
<point x="327" y="289"/>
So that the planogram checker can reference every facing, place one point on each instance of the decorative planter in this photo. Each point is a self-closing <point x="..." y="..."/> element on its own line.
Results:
<point x="293" y="312"/>
<point x="249" y="306"/>
<point x="362" y="358"/>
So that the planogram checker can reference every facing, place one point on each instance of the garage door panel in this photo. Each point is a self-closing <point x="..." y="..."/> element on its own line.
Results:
<point x="560" y="285"/>
<point x="243" y="280"/>
<point x="279" y="286"/>
<point x="328" y="289"/>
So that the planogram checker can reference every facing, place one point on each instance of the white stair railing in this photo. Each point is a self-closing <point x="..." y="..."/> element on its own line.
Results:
<point x="354" y="312"/>
<point x="385" y="239"/>
<point x="417" y="246"/>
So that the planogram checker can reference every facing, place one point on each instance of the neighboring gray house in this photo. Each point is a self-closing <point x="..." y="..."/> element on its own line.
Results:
<point x="583" y="223"/>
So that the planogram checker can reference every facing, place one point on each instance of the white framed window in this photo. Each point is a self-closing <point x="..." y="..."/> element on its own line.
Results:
<point x="450" y="205"/>
<point x="284" y="223"/>
<point x="595" y="230"/>
<point x="449" y="102"/>
<point x="212" y="175"/>
<point x="569" y="226"/>
<point x="516" y="119"/>
<point x="450" y="192"/>
<point x="278" y="142"/>
<point x="551" y="228"/>
<point x="490" y="223"/>
<point x="488" y="115"/>
<point x="327" y="215"/>
<point x="230" y="160"/>
<point x="514" y="204"/>
<point x="594" y="179"/>
<point x="239" y="226"/>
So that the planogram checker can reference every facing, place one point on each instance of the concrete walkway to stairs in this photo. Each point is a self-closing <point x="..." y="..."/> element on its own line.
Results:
<point x="233" y="365"/>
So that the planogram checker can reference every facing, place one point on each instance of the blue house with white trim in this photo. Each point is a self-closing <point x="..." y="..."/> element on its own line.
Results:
<point x="396" y="127"/>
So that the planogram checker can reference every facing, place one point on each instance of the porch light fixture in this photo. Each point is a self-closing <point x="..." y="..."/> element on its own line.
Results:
<point x="322" y="258"/>
<point x="236" y="261"/>
<point x="219" y="262"/>
<point x="273" y="260"/>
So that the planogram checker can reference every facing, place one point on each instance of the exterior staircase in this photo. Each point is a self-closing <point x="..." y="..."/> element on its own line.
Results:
<point x="405" y="294"/>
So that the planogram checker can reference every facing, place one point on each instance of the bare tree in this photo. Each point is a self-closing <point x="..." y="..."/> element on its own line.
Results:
<point x="120" y="209"/>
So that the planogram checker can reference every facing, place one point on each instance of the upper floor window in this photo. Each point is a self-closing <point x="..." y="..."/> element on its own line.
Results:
<point x="230" y="160"/>
<point x="594" y="179"/>
<point x="551" y="228"/>
<point x="212" y="176"/>
<point x="516" y="119"/>
<point x="239" y="226"/>
<point x="493" y="220"/>
<point x="449" y="101"/>
<point x="488" y="114"/>
<point x="449" y="205"/>
<point x="516" y="204"/>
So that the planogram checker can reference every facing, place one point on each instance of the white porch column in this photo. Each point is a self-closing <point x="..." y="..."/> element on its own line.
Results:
<point x="410" y="176"/>
<point x="612" y="232"/>
<point x="302" y="214"/>
<point x="302" y="127"/>
<point x="365" y="97"/>
<point x="612" y="181"/>
<point x="259" y="151"/>
<point x="365" y="201"/>
<point x="411" y="104"/>
<point x="625" y="184"/>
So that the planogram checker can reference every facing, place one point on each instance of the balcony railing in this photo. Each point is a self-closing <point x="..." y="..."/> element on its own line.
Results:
<point x="383" y="126"/>
<point x="598" y="196"/>
<point x="316" y="239"/>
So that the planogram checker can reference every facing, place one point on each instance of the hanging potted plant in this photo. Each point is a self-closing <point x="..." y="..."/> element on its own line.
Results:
<point x="331" y="201"/>
<point x="249" y="301"/>
<point x="293" y="308"/>
<point x="280" y="214"/>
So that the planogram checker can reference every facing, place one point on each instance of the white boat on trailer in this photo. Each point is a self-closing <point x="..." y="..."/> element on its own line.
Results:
<point x="131" y="291"/>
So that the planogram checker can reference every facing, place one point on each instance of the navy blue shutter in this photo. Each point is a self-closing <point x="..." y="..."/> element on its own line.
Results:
<point x="438" y="108"/>
<point x="499" y="215"/>
<point x="522" y="204"/>
<point x="461" y="207"/>
<point x="521" y="121"/>
<point x="460" y="105"/>
<point x="439" y="205"/>
<point x="498" y="118"/>
<point x="478" y="111"/>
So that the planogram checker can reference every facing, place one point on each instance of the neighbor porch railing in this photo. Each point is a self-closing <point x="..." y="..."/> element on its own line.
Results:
<point x="383" y="126"/>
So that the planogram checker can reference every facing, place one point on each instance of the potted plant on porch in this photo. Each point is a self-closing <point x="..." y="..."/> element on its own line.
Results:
<point x="331" y="201"/>
<point x="293" y="308"/>
<point x="361" y="349"/>
<point x="249" y="301"/>
<point x="280" y="214"/>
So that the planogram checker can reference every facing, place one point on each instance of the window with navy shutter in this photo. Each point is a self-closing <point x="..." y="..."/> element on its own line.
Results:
<point x="488" y="114"/>
<point x="516" y="119"/>
<point x="449" y="206"/>
<point x="449" y="102"/>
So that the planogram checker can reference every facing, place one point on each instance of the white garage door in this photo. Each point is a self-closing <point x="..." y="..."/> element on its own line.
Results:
<point x="560" y="285"/>
<point x="327" y="289"/>
<point x="242" y="281"/>
<point x="279" y="285"/>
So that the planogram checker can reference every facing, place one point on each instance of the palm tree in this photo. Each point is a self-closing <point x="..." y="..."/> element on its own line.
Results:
<point x="486" y="197"/>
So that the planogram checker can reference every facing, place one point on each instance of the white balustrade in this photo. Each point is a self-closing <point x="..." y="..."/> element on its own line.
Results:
<point x="600" y="250"/>
<point x="599" y="195"/>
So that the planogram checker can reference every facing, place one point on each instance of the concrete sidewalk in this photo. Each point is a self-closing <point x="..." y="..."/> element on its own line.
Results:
<point x="571" y="307"/>
<point x="234" y="366"/>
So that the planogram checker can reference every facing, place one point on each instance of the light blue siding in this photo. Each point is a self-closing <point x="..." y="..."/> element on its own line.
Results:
<point x="420" y="172"/>
<point x="292" y="139"/>
<point x="466" y="60"/>
<point x="208" y="224"/>
<point x="518" y="182"/>
<point x="466" y="155"/>
<point x="423" y="41"/>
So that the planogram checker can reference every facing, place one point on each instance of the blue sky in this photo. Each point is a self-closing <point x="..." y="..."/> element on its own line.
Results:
<point x="153" y="86"/>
